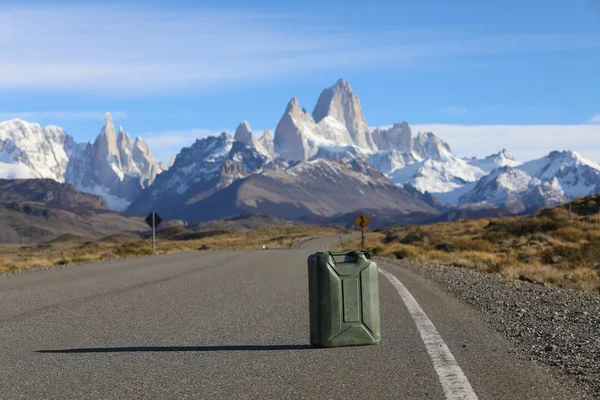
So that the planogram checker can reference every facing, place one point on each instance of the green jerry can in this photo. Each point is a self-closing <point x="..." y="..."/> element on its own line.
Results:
<point x="343" y="299"/>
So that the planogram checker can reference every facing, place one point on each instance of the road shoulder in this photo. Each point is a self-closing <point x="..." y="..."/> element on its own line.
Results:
<point x="479" y="314"/>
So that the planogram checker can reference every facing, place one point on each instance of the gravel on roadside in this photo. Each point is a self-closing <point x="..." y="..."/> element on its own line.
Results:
<point x="556" y="327"/>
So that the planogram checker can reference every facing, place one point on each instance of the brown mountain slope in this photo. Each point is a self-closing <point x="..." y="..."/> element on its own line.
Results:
<point x="29" y="222"/>
<point x="37" y="210"/>
<point x="49" y="192"/>
<point x="309" y="191"/>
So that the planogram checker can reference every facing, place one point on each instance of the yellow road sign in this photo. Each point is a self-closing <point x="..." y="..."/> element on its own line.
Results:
<point x="361" y="220"/>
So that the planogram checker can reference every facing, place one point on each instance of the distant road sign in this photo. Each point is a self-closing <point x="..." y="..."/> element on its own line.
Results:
<point x="361" y="221"/>
<point x="153" y="220"/>
<point x="157" y="219"/>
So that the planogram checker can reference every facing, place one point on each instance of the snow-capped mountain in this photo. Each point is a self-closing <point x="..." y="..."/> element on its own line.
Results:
<point x="498" y="160"/>
<point x="323" y="187"/>
<point x="430" y="167"/>
<point x="513" y="189"/>
<point x="268" y="145"/>
<point x="398" y="137"/>
<point x="29" y="151"/>
<point x="207" y="166"/>
<point x="221" y="177"/>
<point x="428" y="145"/>
<point x="446" y="180"/>
<point x="576" y="175"/>
<point x="337" y="129"/>
<point x="549" y="193"/>
<point x="310" y="153"/>
<point x="548" y="181"/>
<point x="423" y="162"/>
<point x="137" y="158"/>
<point x="311" y="190"/>
<point x="114" y="167"/>
<point x="340" y="104"/>
<point x="264" y="145"/>
<point x="390" y="161"/>
<point x="336" y="124"/>
<point x="298" y="137"/>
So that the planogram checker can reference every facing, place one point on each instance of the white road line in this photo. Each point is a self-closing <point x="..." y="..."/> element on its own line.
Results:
<point x="454" y="382"/>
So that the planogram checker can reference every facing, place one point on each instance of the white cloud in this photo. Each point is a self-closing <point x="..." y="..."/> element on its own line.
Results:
<point x="61" y="115"/>
<point x="124" y="49"/>
<point x="524" y="142"/>
<point x="595" y="119"/>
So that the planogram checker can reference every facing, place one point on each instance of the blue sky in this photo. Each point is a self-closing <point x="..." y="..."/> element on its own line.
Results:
<point x="184" y="69"/>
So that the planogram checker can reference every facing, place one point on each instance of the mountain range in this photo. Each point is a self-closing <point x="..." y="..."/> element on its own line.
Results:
<point x="318" y="166"/>
<point x="114" y="166"/>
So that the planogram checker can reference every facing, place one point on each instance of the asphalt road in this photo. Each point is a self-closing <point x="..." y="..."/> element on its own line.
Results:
<point x="235" y="325"/>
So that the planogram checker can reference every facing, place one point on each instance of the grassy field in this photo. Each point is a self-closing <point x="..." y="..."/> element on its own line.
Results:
<point x="552" y="246"/>
<point x="555" y="246"/>
<point x="72" y="249"/>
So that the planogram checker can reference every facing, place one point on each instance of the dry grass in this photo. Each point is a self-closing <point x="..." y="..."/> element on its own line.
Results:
<point x="19" y="257"/>
<point x="548" y="247"/>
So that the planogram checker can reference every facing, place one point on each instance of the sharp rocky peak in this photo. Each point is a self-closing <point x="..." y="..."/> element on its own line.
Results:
<point x="341" y="104"/>
<point x="244" y="127"/>
<point x="425" y="135"/>
<point x="398" y="137"/>
<point x="291" y="133"/>
<point x="429" y="145"/>
<point x="141" y="144"/>
<point x="109" y="127"/>
<point x="266" y="135"/>
<point x="504" y="154"/>
<point x="106" y="148"/>
<point x="123" y="136"/>
<point x="342" y="85"/>
<point x="243" y="134"/>
<point x="294" y="110"/>
<point x="401" y="125"/>
<point x="266" y="144"/>
<point x="115" y="165"/>
<point x="293" y="104"/>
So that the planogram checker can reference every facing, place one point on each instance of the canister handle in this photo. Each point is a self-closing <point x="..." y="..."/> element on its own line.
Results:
<point x="343" y="253"/>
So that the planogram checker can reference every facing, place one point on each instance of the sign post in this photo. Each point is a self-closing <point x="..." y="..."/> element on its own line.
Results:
<point x="153" y="220"/>
<point x="362" y="221"/>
